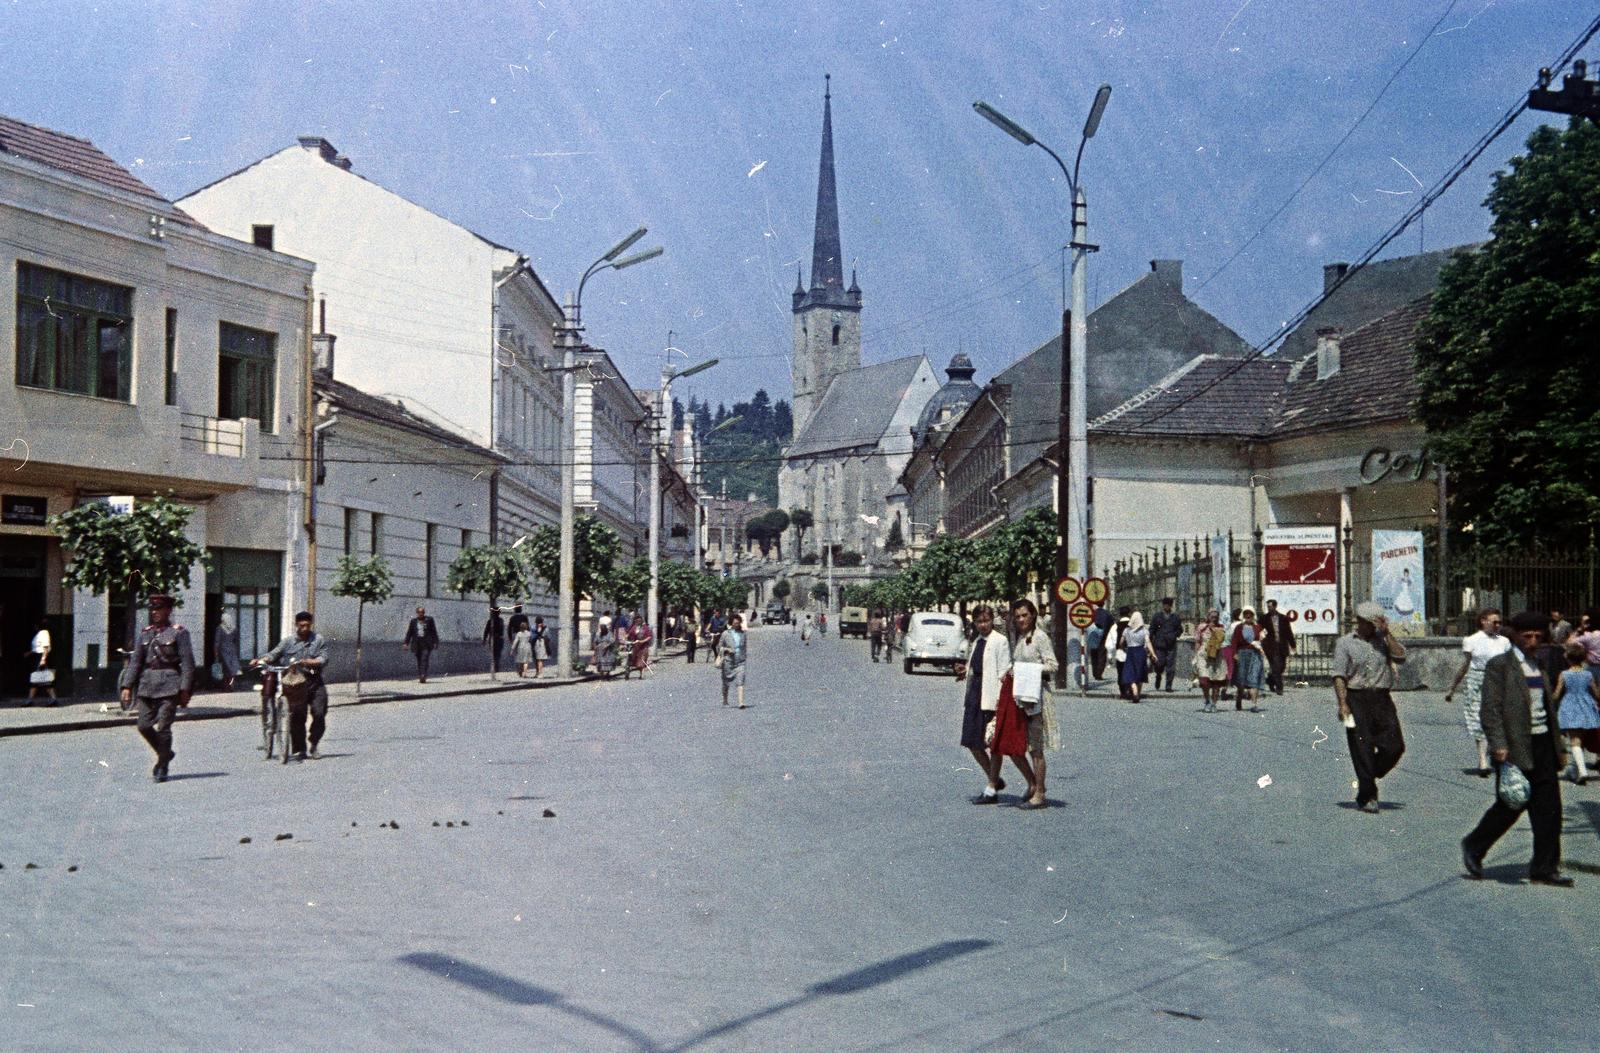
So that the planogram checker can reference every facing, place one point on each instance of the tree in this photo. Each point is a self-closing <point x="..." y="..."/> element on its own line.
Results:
<point x="492" y="570"/>
<point x="366" y="581"/>
<point x="781" y="589"/>
<point x="896" y="539"/>
<point x="802" y="521"/>
<point x="949" y="570"/>
<point x="819" y="591"/>
<point x="595" y="547"/>
<point x="137" y="552"/>
<point x="628" y="586"/>
<point x="1505" y="356"/>
<point x="679" y="586"/>
<point x="1013" y="554"/>
<point x="767" y="529"/>
<point x="734" y="593"/>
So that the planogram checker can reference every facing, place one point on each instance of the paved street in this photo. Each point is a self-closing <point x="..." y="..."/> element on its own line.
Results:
<point x="805" y="875"/>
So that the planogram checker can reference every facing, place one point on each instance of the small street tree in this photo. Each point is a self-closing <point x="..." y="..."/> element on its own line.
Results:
<point x="1017" y="552"/>
<point x="781" y="590"/>
<point x="595" y="547"/>
<point x="138" y="552"/>
<point x="492" y="570"/>
<point x="802" y="521"/>
<point x="896" y="539"/>
<point x="679" y="586"/>
<point x="628" y="586"/>
<point x="819" y="591"/>
<point x="366" y="581"/>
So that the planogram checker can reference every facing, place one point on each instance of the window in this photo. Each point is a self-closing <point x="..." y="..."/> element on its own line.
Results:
<point x="377" y="534"/>
<point x="73" y="333"/>
<point x="430" y="551"/>
<point x="172" y="356"/>
<point x="247" y="361"/>
<point x="350" y="531"/>
<point x="836" y="336"/>
<point x="261" y="234"/>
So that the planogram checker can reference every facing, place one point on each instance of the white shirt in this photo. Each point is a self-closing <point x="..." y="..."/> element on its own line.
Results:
<point x="1481" y="647"/>
<point x="996" y="664"/>
<point x="41" y="641"/>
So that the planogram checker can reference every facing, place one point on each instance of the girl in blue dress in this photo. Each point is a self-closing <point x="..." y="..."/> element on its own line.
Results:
<point x="1579" y="715"/>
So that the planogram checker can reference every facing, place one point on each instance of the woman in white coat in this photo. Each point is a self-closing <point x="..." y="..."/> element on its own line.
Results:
<point x="988" y="662"/>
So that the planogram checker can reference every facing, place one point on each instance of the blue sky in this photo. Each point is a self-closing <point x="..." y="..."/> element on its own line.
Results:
<point x="557" y="126"/>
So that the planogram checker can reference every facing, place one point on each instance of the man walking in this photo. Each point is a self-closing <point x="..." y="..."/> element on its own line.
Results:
<point x="875" y="634"/>
<point x="1520" y="724"/>
<point x="1277" y="640"/>
<point x="159" y="678"/>
<point x="1165" y="629"/>
<point x="494" y="635"/>
<point x="421" y="637"/>
<point x="1363" y="676"/>
<point x="307" y="650"/>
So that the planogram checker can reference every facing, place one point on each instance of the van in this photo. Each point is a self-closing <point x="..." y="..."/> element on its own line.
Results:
<point x="853" y="622"/>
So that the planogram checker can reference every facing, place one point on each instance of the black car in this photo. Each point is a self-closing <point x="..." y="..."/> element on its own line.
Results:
<point x="776" y="614"/>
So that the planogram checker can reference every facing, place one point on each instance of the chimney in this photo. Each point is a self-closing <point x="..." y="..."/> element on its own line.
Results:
<point x="1327" y="352"/>
<point x="320" y="145"/>
<point x="340" y="161"/>
<point x="1333" y="274"/>
<point x="322" y="344"/>
<point x="1169" y="272"/>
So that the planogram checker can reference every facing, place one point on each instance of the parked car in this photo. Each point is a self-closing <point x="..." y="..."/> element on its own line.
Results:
<point x="776" y="614"/>
<point x="934" y="638"/>
<point x="853" y="622"/>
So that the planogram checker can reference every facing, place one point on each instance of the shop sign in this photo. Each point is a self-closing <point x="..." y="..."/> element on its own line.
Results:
<point x="1380" y="463"/>
<point x="20" y="510"/>
<point x="1397" y="582"/>
<point x="1301" y="573"/>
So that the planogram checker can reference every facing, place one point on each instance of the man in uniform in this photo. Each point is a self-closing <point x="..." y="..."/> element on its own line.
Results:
<point x="159" y="678"/>
<point x="306" y="649"/>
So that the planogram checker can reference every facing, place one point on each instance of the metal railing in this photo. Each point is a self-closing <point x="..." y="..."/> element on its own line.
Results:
<point x="214" y="435"/>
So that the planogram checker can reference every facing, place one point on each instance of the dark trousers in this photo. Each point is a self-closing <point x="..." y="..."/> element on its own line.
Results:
<point x="877" y="646"/>
<point x="1166" y="665"/>
<point x="1277" y="658"/>
<point x="499" y="649"/>
<point x="317" y="703"/>
<point x="691" y="643"/>
<point x="423" y="655"/>
<point x="1376" y="744"/>
<point x="155" y="717"/>
<point x="1097" y="662"/>
<point x="1544" y="813"/>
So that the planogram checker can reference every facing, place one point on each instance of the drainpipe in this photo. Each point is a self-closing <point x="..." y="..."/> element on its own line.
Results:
<point x="308" y="510"/>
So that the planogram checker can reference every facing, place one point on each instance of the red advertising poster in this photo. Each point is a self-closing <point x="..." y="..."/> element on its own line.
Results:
<point x="1301" y="572"/>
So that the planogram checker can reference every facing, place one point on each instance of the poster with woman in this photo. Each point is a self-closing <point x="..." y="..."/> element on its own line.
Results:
<point x="1397" y="582"/>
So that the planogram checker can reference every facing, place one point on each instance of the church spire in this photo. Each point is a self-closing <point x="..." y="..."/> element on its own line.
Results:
<point x="827" y="270"/>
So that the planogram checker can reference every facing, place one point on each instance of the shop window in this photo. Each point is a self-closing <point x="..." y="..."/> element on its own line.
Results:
<point x="246" y="374"/>
<point x="73" y="333"/>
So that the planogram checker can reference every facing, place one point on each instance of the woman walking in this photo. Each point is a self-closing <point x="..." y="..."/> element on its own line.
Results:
<point x="1134" y="642"/>
<point x="41" y="675"/>
<point x="541" y="646"/>
<point x="1211" y="669"/>
<point x="988" y="662"/>
<point x="639" y="657"/>
<point x="522" y="649"/>
<point x="731" y="654"/>
<point x="1032" y="648"/>
<point x="605" y="651"/>
<point x="1476" y="650"/>
<point x="225" y="645"/>
<point x="805" y="631"/>
<point x="1249" y="661"/>
<point x="1579" y="715"/>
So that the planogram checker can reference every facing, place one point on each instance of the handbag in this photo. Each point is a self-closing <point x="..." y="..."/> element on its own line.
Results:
<point x="216" y="671"/>
<point x="42" y="677"/>
<point x="1511" y="786"/>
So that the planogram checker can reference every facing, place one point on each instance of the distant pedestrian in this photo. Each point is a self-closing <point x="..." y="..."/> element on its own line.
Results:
<point x="494" y="636"/>
<point x="1134" y="668"/>
<point x="1228" y="654"/>
<point x="1030" y="687"/>
<point x="639" y="655"/>
<point x="691" y="639"/>
<point x="605" y="651"/>
<point x="1560" y="629"/>
<point x="517" y="622"/>
<point x="422" y="636"/>
<point x="805" y="631"/>
<point x="1578" y="715"/>
<point x="225" y="648"/>
<point x="988" y="662"/>
<point x="1119" y="654"/>
<point x="1521" y="725"/>
<point x="1476" y="650"/>
<point x="159" y="678"/>
<point x="1165" y="630"/>
<point x="1095" y="641"/>
<point x="875" y="634"/>
<point x="1249" y="662"/>
<point x="1363" y="676"/>
<point x="732" y="652"/>
<point x="522" y="649"/>
<point x="1211" y="670"/>
<point x="40" y="676"/>
<point x="1277" y="640"/>
<point x="541" y="646"/>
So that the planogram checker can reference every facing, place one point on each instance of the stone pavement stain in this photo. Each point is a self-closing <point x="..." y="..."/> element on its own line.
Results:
<point x="284" y="837"/>
<point x="244" y="840"/>
<point x="548" y="814"/>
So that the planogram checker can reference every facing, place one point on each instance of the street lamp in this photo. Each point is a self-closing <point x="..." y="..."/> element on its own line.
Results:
<point x="1072" y="482"/>
<point x="568" y="339"/>
<point x="658" y="452"/>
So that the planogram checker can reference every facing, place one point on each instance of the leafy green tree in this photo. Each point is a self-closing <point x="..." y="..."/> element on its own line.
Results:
<point x="679" y="584"/>
<point x="628" y="585"/>
<point x="819" y="591"/>
<point x="896" y="539"/>
<point x="949" y="571"/>
<point x="138" y="552"/>
<point x="1505" y="358"/>
<point x="781" y="589"/>
<point x="801" y="520"/>
<point x="492" y="570"/>
<point x="595" y="548"/>
<point x="1017" y="552"/>
<point x="859" y="595"/>
<point x="734" y="594"/>
<point x="366" y="581"/>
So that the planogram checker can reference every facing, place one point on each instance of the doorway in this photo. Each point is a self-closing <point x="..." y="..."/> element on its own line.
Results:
<point x="22" y="604"/>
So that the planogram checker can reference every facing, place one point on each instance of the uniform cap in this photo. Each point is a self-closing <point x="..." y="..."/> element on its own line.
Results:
<point x="159" y="599"/>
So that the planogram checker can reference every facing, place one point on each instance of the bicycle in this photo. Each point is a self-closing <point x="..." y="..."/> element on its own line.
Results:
<point x="274" y="715"/>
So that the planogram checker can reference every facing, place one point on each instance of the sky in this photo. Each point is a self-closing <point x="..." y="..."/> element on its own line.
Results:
<point x="557" y="126"/>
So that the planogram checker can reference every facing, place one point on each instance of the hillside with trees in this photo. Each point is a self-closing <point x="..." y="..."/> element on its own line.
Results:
<point x="741" y="443"/>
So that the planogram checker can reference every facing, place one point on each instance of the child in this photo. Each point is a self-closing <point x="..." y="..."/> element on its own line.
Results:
<point x="1580" y="706"/>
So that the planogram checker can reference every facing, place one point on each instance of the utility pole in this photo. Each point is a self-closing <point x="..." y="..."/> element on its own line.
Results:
<point x="722" y="549"/>
<point x="1578" y="96"/>
<point x="567" y="339"/>
<point x="827" y="511"/>
<point x="658" y="450"/>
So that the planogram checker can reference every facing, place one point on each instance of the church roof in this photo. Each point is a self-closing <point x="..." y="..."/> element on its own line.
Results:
<point x="957" y="394"/>
<point x="857" y="408"/>
<point x="827" y="257"/>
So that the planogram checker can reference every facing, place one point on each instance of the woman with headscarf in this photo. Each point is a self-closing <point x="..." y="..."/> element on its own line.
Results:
<point x="605" y="651"/>
<point x="1210" y="667"/>
<point x="639" y="656"/>
<point x="1249" y="661"/>
<point x="225" y="645"/>
<point x="1134" y="642"/>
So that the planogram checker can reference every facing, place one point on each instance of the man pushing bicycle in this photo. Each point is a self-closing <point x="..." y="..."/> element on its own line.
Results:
<point x="306" y="653"/>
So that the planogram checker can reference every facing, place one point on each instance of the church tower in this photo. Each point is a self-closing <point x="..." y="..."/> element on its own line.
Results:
<point x="827" y="316"/>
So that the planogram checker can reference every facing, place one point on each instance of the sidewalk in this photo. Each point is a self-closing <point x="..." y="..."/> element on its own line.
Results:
<point x="74" y="715"/>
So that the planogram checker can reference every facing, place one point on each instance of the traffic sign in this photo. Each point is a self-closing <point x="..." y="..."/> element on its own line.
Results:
<point x="1081" y="614"/>
<point x="1069" y="590"/>
<point x="1095" y="590"/>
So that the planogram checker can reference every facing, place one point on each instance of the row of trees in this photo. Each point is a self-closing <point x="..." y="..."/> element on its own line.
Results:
<point x="1002" y="565"/>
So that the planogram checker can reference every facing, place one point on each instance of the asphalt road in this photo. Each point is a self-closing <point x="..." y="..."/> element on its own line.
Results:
<point x="805" y="875"/>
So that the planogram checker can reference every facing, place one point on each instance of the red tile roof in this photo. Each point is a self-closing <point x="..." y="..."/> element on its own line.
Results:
<point x="68" y="153"/>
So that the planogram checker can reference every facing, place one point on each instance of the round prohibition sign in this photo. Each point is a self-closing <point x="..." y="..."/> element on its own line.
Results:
<point x="1081" y="614"/>
<point x="1069" y="590"/>
<point x="1095" y="590"/>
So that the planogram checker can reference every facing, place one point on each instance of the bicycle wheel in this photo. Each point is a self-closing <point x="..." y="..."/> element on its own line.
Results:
<point x="283" y="727"/>
<point x="269" y="728"/>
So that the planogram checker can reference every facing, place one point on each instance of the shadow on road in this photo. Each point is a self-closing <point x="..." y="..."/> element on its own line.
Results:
<point x="517" y="992"/>
<point x="180" y="777"/>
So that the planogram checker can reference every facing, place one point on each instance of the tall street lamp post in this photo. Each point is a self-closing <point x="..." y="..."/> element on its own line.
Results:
<point x="569" y="337"/>
<point x="1072" y="483"/>
<point x="658" y="452"/>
